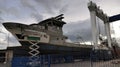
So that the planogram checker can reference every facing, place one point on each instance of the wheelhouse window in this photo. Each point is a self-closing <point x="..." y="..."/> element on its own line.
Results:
<point x="33" y="38"/>
<point x="45" y="36"/>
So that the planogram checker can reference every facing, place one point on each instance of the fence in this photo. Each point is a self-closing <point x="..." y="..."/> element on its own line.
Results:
<point x="96" y="58"/>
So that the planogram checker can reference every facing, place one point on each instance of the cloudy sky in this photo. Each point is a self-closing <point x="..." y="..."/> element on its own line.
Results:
<point x="75" y="12"/>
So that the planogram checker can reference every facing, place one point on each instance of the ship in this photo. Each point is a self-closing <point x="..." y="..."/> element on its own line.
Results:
<point x="45" y="40"/>
<point x="48" y="35"/>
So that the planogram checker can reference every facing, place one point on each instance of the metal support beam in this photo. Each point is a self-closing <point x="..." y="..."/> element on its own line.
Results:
<point x="114" y="18"/>
<point x="107" y="29"/>
<point x="94" y="29"/>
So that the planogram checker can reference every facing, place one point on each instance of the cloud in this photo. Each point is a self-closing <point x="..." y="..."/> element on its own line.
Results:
<point x="37" y="17"/>
<point x="63" y="9"/>
<point x="75" y="12"/>
<point x="83" y="29"/>
<point x="34" y="13"/>
<point x="18" y="11"/>
<point x="77" y="9"/>
<point x="51" y="6"/>
<point x="9" y="8"/>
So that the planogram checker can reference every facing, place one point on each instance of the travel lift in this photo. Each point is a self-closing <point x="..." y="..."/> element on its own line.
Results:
<point x="96" y="11"/>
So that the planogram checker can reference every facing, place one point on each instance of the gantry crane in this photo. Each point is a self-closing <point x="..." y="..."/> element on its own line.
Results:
<point x="96" y="11"/>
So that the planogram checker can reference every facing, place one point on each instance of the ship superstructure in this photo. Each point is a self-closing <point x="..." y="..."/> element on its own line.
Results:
<point x="47" y="31"/>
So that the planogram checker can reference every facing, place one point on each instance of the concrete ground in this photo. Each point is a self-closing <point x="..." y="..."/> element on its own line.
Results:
<point x="5" y="65"/>
<point x="112" y="63"/>
<point x="88" y="64"/>
<point x="2" y="65"/>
